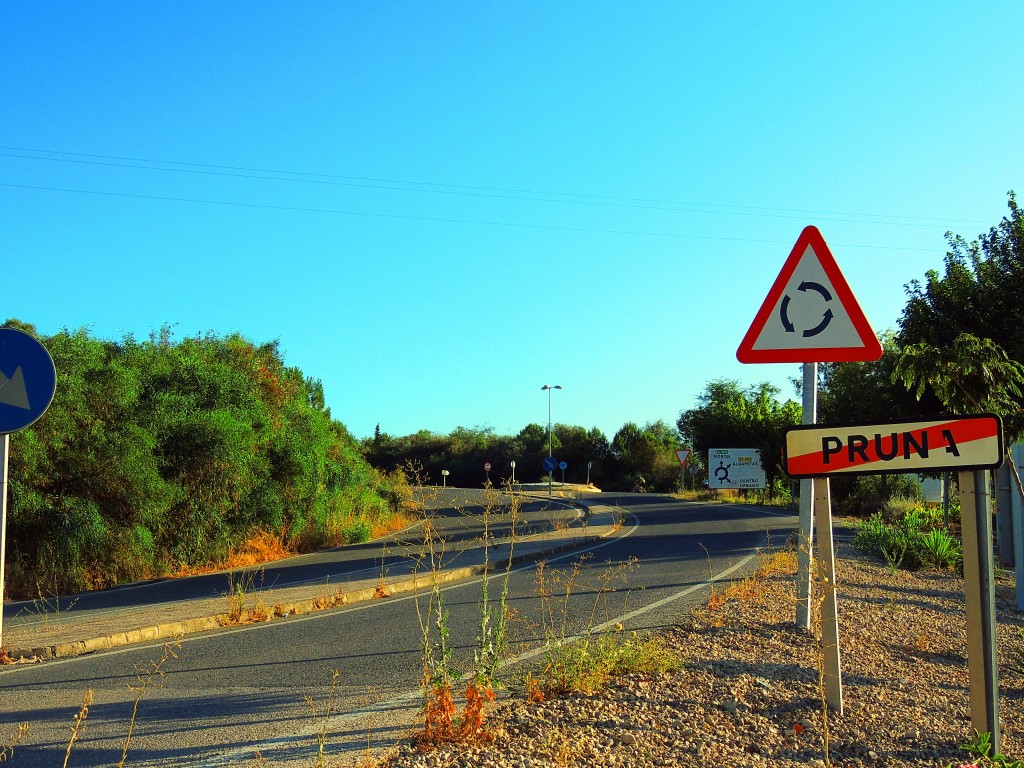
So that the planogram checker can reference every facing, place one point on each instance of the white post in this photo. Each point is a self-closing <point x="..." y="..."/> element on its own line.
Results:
<point x="832" y="672"/>
<point x="5" y="446"/>
<point x="805" y="543"/>
<point x="979" y="589"/>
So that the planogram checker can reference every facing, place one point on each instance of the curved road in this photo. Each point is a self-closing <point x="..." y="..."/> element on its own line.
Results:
<point x="232" y="691"/>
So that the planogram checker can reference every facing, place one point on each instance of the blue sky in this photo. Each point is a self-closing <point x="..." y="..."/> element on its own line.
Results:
<point x="439" y="207"/>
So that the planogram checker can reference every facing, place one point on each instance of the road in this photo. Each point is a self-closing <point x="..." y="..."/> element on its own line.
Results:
<point x="457" y="515"/>
<point x="232" y="691"/>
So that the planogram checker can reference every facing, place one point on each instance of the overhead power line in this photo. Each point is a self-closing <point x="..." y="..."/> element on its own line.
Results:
<point x="327" y="179"/>
<point x="436" y="219"/>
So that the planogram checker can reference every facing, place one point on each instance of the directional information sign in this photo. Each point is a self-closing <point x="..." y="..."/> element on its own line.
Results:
<point x="810" y="314"/>
<point x="735" y="468"/>
<point x="683" y="456"/>
<point x="956" y="443"/>
<point x="27" y="380"/>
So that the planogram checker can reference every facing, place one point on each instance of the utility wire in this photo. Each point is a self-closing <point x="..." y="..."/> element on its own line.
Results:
<point x="437" y="219"/>
<point x="466" y="190"/>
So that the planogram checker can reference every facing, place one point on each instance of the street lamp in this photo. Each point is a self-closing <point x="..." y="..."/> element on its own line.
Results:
<point x="549" y="387"/>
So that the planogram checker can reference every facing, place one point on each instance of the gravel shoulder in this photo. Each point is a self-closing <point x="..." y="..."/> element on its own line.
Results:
<point x="748" y="692"/>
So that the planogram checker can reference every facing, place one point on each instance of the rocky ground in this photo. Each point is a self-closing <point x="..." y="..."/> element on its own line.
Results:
<point x="748" y="692"/>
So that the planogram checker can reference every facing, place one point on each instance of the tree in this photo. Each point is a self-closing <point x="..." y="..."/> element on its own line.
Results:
<point x="870" y="391"/>
<point x="647" y="452"/>
<point x="577" y="447"/>
<point x="979" y="293"/>
<point x="968" y="376"/>
<point x="962" y="330"/>
<point x="728" y="416"/>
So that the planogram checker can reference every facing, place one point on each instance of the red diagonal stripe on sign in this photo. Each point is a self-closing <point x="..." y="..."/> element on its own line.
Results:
<point x="964" y="431"/>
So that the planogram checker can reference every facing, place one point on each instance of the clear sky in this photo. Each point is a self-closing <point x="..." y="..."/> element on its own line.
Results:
<point x="438" y="207"/>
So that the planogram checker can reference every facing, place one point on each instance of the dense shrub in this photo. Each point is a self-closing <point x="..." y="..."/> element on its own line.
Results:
<point x="908" y="542"/>
<point x="159" y="455"/>
<point x="864" y="496"/>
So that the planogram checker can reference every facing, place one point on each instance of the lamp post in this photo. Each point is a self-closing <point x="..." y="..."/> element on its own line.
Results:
<point x="549" y="387"/>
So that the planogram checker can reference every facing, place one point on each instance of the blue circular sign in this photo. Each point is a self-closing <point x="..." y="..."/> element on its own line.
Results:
<point x="549" y="464"/>
<point x="27" y="380"/>
<point x="562" y="465"/>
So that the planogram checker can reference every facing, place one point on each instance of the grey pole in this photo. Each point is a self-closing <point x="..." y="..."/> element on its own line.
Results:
<point x="5" y="447"/>
<point x="549" y="388"/>
<point x="806" y="541"/>
<point x="979" y="588"/>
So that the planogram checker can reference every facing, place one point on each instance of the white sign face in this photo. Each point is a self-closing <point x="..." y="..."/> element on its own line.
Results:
<point x="735" y="468"/>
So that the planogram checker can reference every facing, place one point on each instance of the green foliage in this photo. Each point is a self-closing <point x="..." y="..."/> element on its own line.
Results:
<point x="870" y="392"/>
<point x="730" y="417"/>
<point x="647" y="451"/>
<point x="865" y="495"/>
<point x="940" y="550"/>
<point x="587" y="665"/>
<point x="158" y="455"/>
<point x="979" y="747"/>
<point x="908" y="542"/>
<point x="962" y="328"/>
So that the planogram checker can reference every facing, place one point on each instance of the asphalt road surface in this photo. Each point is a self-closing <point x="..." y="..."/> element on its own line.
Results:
<point x="232" y="691"/>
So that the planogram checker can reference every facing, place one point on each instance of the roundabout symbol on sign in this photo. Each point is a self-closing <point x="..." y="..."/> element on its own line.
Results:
<point x="826" y="318"/>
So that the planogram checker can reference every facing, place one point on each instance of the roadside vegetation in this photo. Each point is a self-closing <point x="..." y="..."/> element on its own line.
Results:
<point x="162" y="457"/>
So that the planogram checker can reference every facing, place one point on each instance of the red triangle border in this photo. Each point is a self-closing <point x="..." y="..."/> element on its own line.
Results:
<point x="871" y="349"/>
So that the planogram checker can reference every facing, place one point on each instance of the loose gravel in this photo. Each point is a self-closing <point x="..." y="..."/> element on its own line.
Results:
<point x="749" y="695"/>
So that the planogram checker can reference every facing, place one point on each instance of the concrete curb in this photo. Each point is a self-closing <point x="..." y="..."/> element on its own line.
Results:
<point x="177" y="629"/>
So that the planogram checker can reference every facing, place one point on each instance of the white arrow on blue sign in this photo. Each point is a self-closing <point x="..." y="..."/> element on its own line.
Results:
<point x="549" y="464"/>
<point x="27" y="380"/>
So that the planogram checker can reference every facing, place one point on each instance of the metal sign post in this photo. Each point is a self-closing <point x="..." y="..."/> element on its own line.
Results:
<point x="1017" y="507"/>
<point x="5" y="445"/>
<point x="832" y="673"/>
<point x="979" y="586"/>
<point x="968" y="444"/>
<point x="805" y="550"/>
<point x="683" y="455"/>
<point x="809" y="316"/>
<point x="28" y="381"/>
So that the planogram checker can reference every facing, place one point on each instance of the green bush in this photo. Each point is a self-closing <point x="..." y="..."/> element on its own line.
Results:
<point x="865" y="496"/>
<point x="357" y="532"/>
<point x="939" y="549"/>
<point x="909" y="542"/>
<point x="161" y="454"/>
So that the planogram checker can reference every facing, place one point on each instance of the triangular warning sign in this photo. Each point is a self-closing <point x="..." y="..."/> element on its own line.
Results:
<point x="810" y="314"/>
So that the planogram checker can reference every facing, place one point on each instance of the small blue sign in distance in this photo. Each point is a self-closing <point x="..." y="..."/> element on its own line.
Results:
<point x="562" y="465"/>
<point x="549" y="464"/>
<point x="27" y="380"/>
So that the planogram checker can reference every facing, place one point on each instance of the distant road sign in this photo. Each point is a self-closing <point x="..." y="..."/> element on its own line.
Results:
<point x="549" y="464"/>
<point x="563" y="466"/>
<point x="27" y="380"/>
<point x="956" y="443"/>
<point x="735" y="468"/>
<point x="810" y="314"/>
<point x="487" y="466"/>
<point x="683" y="456"/>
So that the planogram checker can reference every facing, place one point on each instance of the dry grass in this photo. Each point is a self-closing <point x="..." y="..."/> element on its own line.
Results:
<point x="261" y="547"/>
